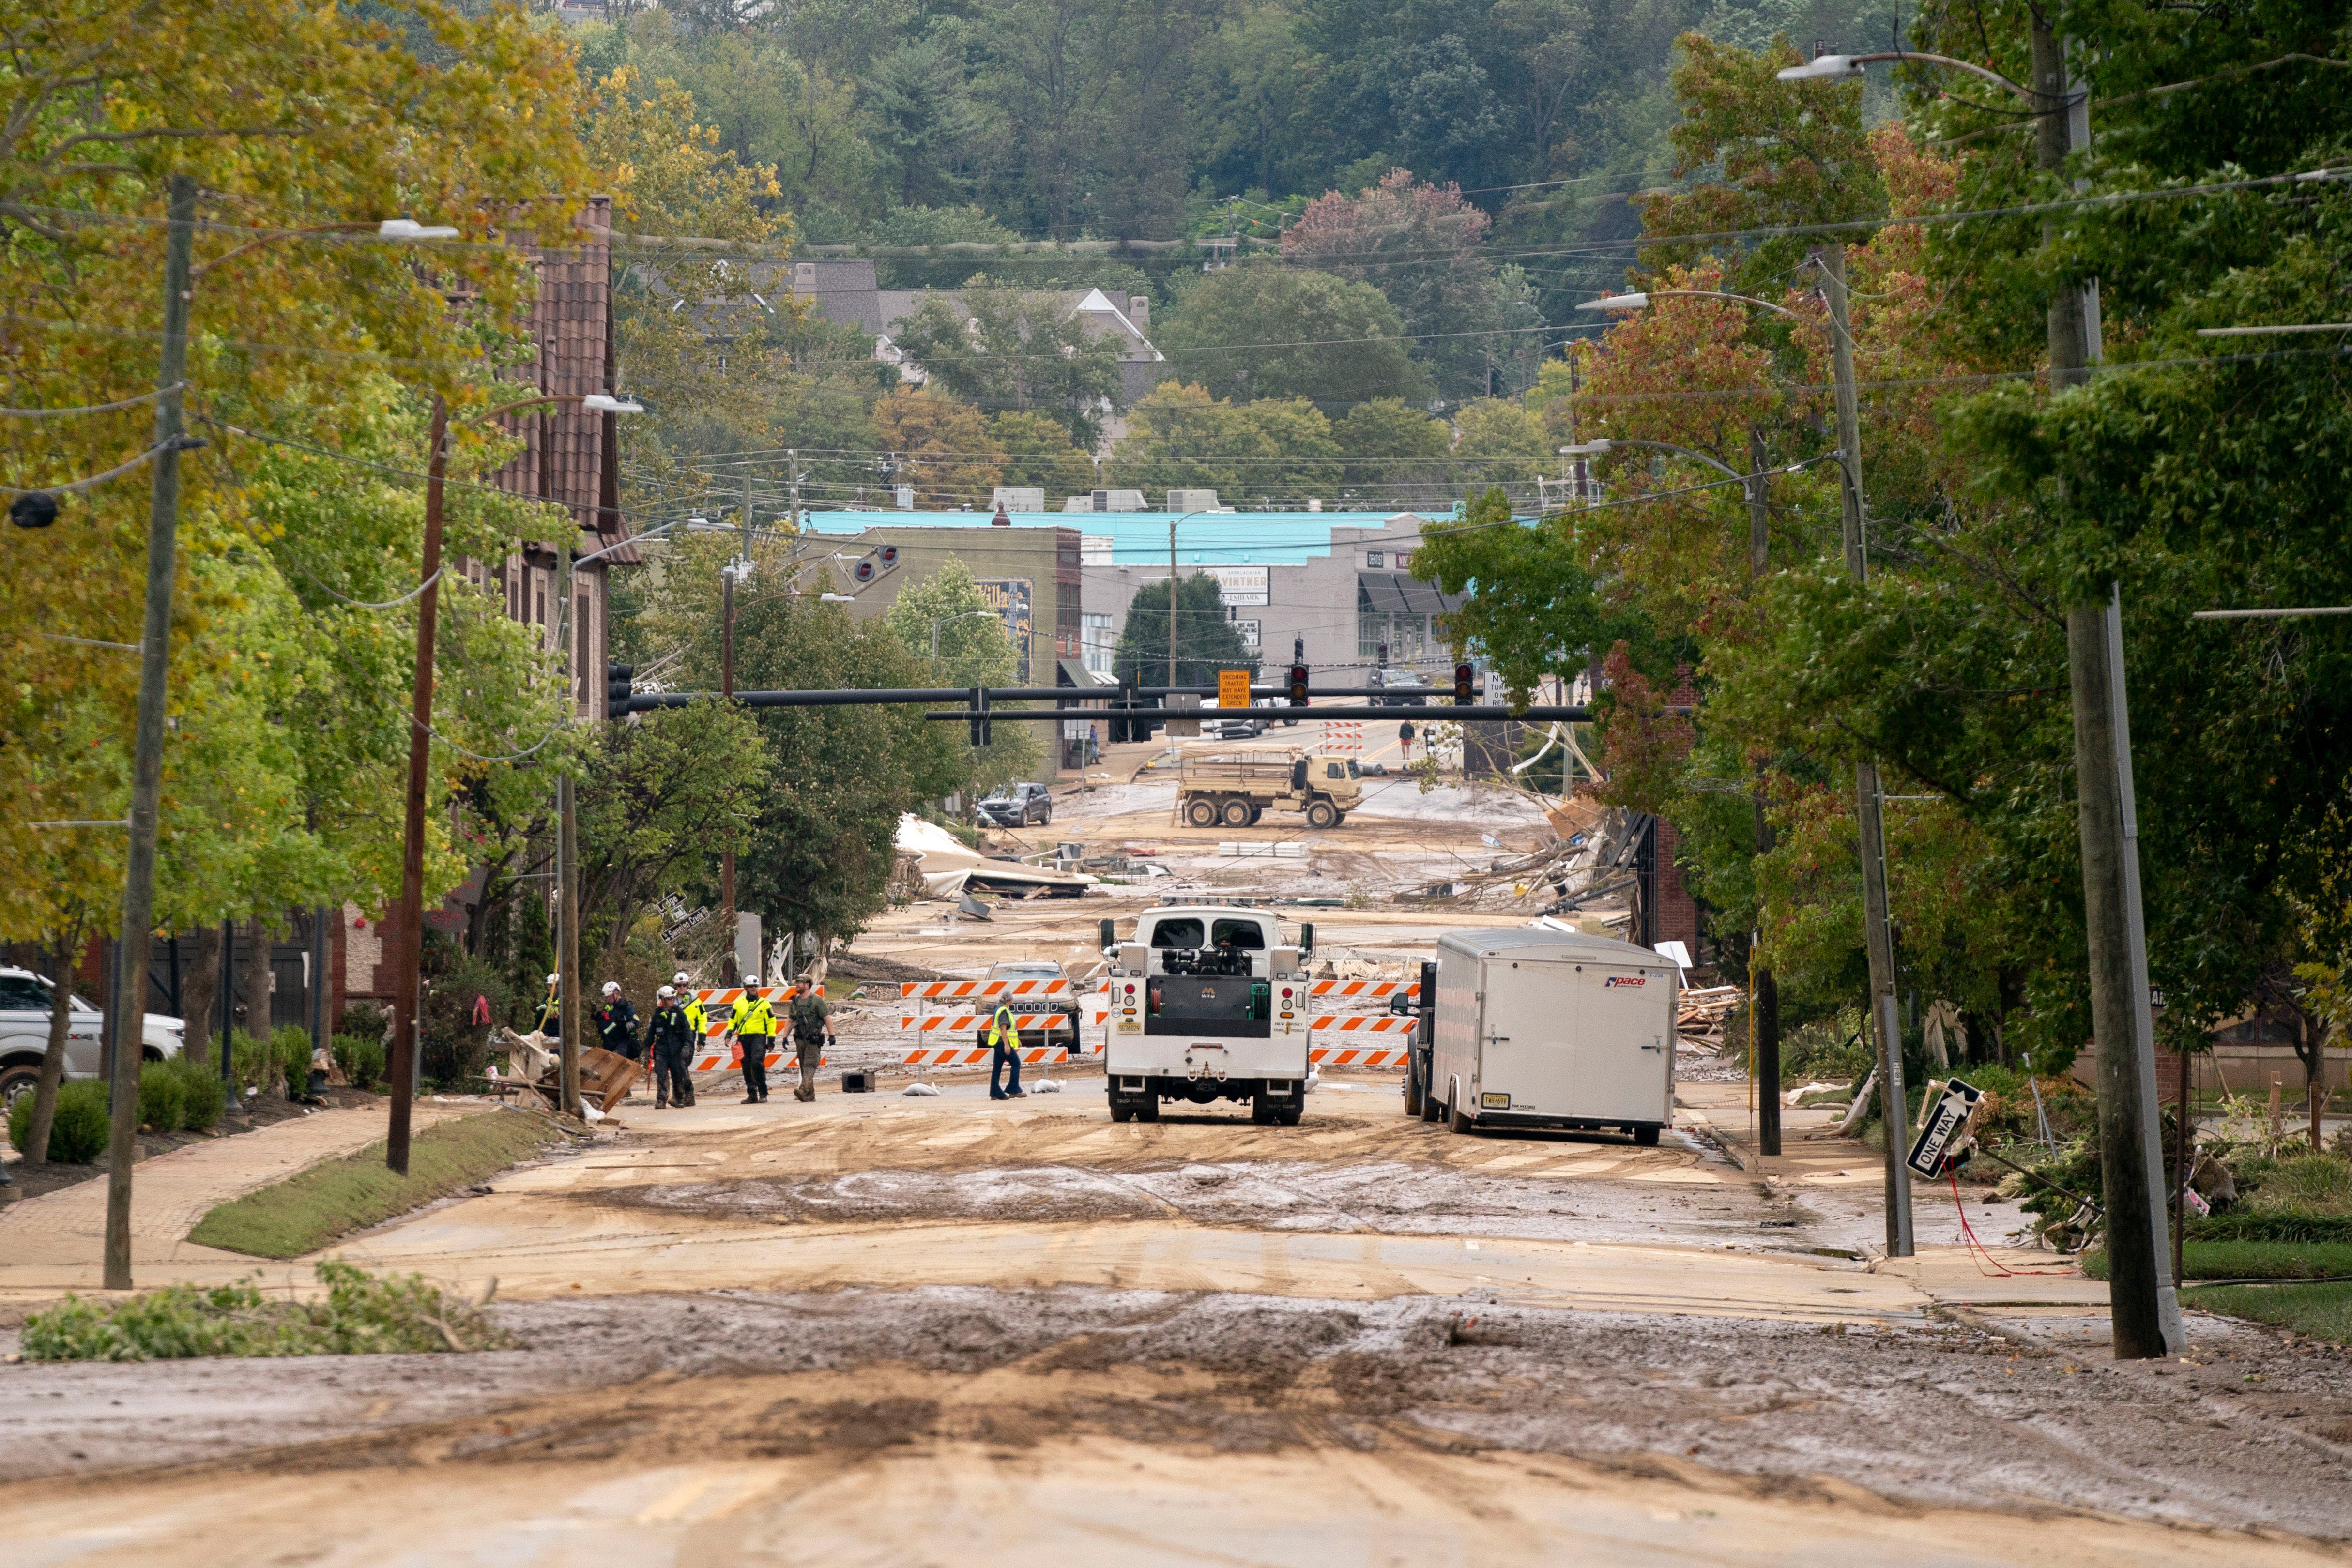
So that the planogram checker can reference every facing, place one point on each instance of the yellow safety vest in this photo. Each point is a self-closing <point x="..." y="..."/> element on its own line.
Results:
<point x="751" y="1015"/>
<point x="1001" y="1030"/>
<point x="695" y="1019"/>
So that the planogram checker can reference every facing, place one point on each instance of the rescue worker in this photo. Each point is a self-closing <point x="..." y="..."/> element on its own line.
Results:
<point x="809" y="1012"/>
<point x="1004" y="1046"/>
<point x="697" y="1019"/>
<point x="752" y="1022"/>
<point x="616" y="1022"/>
<point x="673" y="1042"/>
<point x="550" y="1021"/>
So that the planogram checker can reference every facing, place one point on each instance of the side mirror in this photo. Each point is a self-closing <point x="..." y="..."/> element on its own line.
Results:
<point x="1110" y="933"/>
<point x="1307" y="939"/>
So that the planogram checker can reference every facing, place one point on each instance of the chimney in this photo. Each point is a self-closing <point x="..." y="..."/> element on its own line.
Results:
<point x="1139" y="310"/>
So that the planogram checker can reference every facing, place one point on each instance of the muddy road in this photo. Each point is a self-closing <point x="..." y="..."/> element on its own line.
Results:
<point x="946" y="1331"/>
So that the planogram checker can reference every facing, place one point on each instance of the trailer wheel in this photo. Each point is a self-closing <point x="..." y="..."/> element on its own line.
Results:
<point x="1646" y="1136"/>
<point x="1201" y="812"/>
<point x="1455" y="1122"/>
<point x="1322" y="814"/>
<point x="1237" y="814"/>
<point x="1288" y="1115"/>
<point x="1148" y="1108"/>
<point x="1120" y="1111"/>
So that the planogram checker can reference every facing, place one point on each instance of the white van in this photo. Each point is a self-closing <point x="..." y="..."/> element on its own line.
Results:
<point x="1536" y="1027"/>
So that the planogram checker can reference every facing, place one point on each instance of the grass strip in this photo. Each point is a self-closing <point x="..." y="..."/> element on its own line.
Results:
<point x="308" y="1210"/>
<point x="2324" y="1311"/>
<point x="2248" y="1260"/>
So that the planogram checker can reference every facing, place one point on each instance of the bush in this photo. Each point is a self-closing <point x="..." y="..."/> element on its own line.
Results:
<point x="365" y="1021"/>
<point x="360" y="1315"/>
<point x="292" y="1043"/>
<point x="202" y="1095"/>
<point x="77" y="1133"/>
<point x="162" y="1094"/>
<point x="248" y="1060"/>
<point x="362" y="1058"/>
<point x="453" y="1047"/>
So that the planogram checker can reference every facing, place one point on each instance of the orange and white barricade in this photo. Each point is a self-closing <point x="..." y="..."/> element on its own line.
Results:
<point x="932" y="1009"/>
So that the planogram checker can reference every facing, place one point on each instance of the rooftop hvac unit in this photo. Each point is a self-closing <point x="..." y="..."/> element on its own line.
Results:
<point x="1192" y="500"/>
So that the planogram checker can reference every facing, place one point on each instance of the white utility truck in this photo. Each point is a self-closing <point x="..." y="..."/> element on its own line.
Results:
<point x="1538" y="1028"/>
<point x="1207" y="1003"/>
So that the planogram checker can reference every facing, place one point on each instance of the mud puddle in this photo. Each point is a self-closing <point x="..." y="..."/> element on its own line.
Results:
<point x="1388" y="1197"/>
<point x="2249" y="1437"/>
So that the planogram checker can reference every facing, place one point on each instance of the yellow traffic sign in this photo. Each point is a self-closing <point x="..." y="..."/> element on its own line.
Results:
<point x="1232" y="688"/>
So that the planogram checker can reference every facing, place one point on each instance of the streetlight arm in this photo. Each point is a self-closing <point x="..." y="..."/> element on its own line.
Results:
<point x="1641" y="301"/>
<point x="1833" y="66"/>
<point x="1614" y="441"/>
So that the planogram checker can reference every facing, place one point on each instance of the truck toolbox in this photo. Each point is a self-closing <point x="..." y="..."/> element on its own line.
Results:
<point x="1536" y="1027"/>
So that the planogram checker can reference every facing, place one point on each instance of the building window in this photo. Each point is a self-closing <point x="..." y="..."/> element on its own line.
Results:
<point x="1099" y="643"/>
<point x="1374" y="558"/>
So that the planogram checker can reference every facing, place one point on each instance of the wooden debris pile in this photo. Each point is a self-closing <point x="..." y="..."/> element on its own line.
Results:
<point x="1702" y="1015"/>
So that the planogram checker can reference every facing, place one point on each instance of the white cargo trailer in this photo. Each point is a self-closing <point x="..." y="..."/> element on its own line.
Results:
<point x="1536" y="1027"/>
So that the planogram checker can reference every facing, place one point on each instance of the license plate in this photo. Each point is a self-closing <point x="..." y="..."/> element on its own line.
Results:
<point x="1494" y="1102"/>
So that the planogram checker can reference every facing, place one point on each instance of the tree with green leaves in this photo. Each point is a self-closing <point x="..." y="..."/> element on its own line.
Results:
<point x="1179" y="437"/>
<point x="1263" y="329"/>
<point x="1005" y="348"/>
<point x="961" y="639"/>
<point x="1206" y="639"/>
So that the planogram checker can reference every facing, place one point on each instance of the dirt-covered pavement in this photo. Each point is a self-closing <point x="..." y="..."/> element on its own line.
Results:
<point x="901" y="1330"/>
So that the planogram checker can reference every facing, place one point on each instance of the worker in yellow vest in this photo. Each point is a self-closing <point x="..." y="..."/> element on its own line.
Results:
<point x="752" y="1022"/>
<point x="698" y="1018"/>
<point x="1004" y="1046"/>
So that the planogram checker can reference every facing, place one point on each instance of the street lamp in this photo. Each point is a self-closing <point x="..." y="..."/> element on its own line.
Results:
<point x="1846" y="67"/>
<point x="1640" y="300"/>
<point x="410" y="919"/>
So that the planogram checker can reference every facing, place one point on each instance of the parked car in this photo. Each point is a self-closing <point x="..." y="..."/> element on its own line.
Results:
<point x="1023" y="806"/>
<point x="1399" y="688"/>
<point x="1234" y="726"/>
<point x="1063" y="1030"/>
<point x="26" y="999"/>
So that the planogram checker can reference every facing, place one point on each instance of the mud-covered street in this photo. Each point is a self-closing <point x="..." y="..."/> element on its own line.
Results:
<point x="957" y="1330"/>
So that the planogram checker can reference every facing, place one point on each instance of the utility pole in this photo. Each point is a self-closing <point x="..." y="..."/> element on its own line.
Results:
<point x="1172" y="610"/>
<point x="2144" y="1306"/>
<point x="409" y="920"/>
<point x="147" y="764"/>
<point x="1766" y="998"/>
<point x="727" y="691"/>
<point x="792" y="456"/>
<point x="1869" y="811"/>
<point x="572" y="1016"/>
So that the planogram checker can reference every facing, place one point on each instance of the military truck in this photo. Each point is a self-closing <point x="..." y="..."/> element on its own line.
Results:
<point x="1237" y="790"/>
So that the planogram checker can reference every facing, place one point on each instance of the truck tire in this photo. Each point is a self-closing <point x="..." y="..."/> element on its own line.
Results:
<point x="1646" y="1136"/>
<point x="1430" y="1108"/>
<point x="1263" y="1112"/>
<point x="1288" y="1115"/>
<point x="1200" y="811"/>
<point x="1148" y="1108"/>
<point x="1120" y="1111"/>
<point x="1412" y="1095"/>
<point x="1340" y="820"/>
<point x="1237" y="814"/>
<point x="1322" y="814"/>
<point x="1256" y="812"/>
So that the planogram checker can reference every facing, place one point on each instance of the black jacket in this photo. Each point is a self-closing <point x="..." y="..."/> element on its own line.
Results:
<point x="617" y="1020"/>
<point x="666" y="1029"/>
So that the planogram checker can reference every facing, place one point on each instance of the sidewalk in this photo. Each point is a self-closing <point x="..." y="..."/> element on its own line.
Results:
<point x="61" y="1237"/>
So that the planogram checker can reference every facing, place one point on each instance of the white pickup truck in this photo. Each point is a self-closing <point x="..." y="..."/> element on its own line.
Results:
<point x="25" y="1002"/>
<point x="1207" y="1003"/>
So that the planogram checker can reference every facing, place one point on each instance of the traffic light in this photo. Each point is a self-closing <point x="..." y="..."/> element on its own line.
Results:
<point x="977" y="722"/>
<point x="874" y="564"/>
<point x="1297" y="685"/>
<point x="619" y="687"/>
<point x="1384" y="654"/>
<point x="1463" y="675"/>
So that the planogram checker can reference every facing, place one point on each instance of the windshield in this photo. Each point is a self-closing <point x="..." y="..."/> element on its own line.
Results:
<point x="22" y="992"/>
<point x="1354" y="771"/>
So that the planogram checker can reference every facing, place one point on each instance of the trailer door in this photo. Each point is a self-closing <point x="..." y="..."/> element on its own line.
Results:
<point x="1621" y="1050"/>
<point x="1528" y="1049"/>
